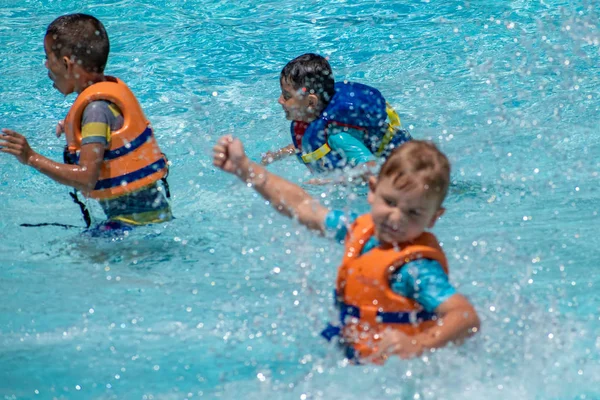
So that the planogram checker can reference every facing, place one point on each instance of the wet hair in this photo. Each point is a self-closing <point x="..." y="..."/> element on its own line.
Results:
<point x="415" y="163"/>
<point x="313" y="72"/>
<point x="82" y="38"/>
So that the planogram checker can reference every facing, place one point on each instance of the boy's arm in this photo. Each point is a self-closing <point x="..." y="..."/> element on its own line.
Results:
<point x="425" y="281"/>
<point x="272" y="156"/>
<point x="82" y="177"/>
<point x="457" y="320"/>
<point x="287" y="198"/>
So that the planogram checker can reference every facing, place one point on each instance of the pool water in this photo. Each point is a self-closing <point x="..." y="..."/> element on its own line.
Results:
<point x="227" y="300"/>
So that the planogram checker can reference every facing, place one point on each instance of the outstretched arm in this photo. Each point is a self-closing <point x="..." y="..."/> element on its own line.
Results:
<point x="272" y="156"/>
<point x="82" y="177"/>
<point x="287" y="198"/>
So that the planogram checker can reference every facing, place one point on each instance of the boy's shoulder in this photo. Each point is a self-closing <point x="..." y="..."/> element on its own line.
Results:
<point x="350" y="96"/>
<point x="112" y="90"/>
<point x="338" y="222"/>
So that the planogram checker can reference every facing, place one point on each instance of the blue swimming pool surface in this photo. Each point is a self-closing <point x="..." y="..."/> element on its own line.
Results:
<point x="227" y="301"/>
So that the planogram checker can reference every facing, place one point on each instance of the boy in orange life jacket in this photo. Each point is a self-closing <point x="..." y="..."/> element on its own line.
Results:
<point x="111" y="153"/>
<point x="392" y="288"/>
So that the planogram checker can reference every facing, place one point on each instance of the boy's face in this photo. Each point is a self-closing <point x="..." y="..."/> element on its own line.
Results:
<point x="59" y="69"/>
<point x="401" y="215"/>
<point x="297" y="105"/>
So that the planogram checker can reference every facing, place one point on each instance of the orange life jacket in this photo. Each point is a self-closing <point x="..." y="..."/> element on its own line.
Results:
<point x="367" y="303"/>
<point x="133" y="159"/>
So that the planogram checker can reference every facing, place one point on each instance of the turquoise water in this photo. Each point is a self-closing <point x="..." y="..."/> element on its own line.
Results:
<point x="227" y="300"/>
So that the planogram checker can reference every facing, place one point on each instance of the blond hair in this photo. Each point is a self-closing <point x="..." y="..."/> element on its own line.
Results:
<point x="418" y="163"/>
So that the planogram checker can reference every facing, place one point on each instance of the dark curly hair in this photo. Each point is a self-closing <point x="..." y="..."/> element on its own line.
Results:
<point x="313" y="72"/>
<point x="82" y="38"/>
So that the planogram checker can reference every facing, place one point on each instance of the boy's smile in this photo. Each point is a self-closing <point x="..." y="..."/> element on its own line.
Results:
<point x="401" y="214"/>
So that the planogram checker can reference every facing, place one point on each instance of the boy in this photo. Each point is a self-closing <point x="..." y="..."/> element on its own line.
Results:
<point x="392" y="287"/>
<point x="111" y="153"/>
<point x="334" y="125"/>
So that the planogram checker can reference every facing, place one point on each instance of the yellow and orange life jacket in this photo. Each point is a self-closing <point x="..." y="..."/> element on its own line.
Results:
<point x="133" y="159"/>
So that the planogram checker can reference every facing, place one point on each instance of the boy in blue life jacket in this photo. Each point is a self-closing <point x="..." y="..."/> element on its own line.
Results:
<point x="111" y="155"/>
<point x="392" y="288"/>
<point x="334" y="125"/>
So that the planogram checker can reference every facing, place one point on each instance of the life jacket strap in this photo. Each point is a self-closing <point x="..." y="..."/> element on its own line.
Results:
<point x="317" y="154"/>
<point x="397" y="317"/>
<point x="72" y="159"/>
<point x="84" y="211"/>
<point x="394" y="125"/>
<point x="164" y="178"/>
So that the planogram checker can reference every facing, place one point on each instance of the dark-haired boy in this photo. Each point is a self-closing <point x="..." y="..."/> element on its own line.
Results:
<point x="111" y="153"/>
<point x="334" y="125"/>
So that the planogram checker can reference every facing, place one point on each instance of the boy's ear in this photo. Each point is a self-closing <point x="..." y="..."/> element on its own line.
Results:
<point x="313" y="101"/>
<point x="67" y="63"/>
<point x="436" y="216"/>
<point x="372" y="187"/>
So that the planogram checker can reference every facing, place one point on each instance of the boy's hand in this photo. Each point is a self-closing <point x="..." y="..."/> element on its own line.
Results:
<point x="319" y="181"/>
<point x="60" y="128"/>
<point x="268" y="157"/>
<point x="14" y="143"/>
<point x="396" y="343"/>
<point x="272" y="156"/>
<point x="229" y="155"/>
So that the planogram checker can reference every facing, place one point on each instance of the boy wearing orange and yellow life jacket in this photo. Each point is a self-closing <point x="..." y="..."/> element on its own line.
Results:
<point x="392" y="288"/>
<point x="111" y="154"/>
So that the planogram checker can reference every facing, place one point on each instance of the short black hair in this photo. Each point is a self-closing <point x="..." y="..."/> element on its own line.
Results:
<point x="313" y="72"/>
<point x="82" y="38"/>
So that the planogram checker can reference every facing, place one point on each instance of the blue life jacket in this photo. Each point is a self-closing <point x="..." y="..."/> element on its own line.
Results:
<point x="353" y="106"/>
